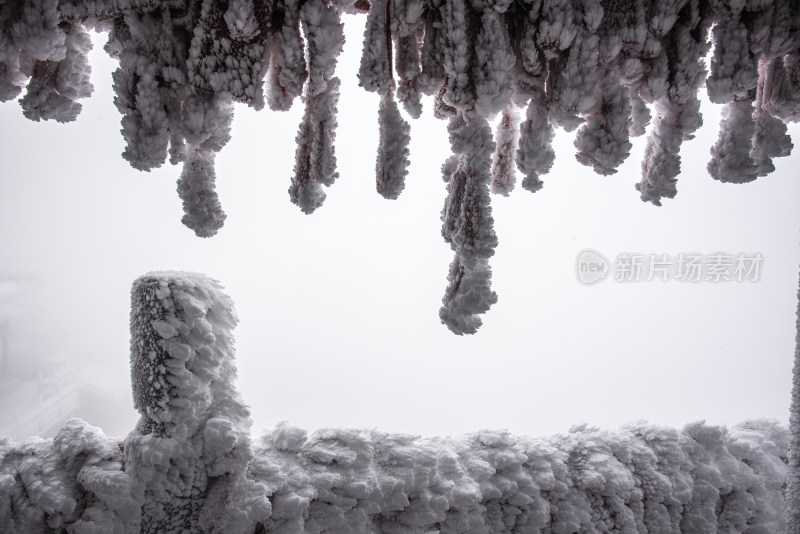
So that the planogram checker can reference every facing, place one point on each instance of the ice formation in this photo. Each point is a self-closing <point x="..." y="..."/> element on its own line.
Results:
<point x="190" y="465"/>
<point x="793" y="483"/>
<point x="606" y="68"/>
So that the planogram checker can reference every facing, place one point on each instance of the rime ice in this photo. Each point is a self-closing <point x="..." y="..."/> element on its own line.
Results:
<point x="605" y="69"/>
<point x="187" y="457"/>
<point x="190" y="466"/>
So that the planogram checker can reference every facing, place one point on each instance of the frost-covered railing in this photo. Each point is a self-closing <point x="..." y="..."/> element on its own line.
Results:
<point x="190" y="466"/>
<point x="598" y="66"/>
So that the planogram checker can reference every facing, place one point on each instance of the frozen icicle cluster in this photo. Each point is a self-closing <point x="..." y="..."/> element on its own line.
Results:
<point x="606" y="69"/>
<point x="755" y="72"/>
<point x="48" y="56"/>
<point x="189" y="465"/>
<point x="182" y="65"/>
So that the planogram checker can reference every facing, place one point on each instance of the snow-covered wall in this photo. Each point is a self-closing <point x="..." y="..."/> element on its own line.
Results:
<point x="190" y="466"/>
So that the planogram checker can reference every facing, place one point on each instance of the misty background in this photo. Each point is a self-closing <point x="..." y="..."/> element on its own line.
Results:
<point x="339" y="310"/>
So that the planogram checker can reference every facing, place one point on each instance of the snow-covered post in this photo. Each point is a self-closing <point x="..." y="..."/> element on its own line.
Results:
<point x="188" y="454"/>
<point x="793" y="479"/>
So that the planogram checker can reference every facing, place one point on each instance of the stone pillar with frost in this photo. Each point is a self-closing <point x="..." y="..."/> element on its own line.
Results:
<point x="188" y="454"/>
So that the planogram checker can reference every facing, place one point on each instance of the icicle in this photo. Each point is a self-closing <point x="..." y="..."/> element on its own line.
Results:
<point x="41" y="101"/>
<point x="770" y="139"/>
<point x="315" y="159"/>
<point x="391" y="166"/>
<point x="315" y="163"/>
<point x="781" y="87"/>
<point x="733" y="71"/>
<point x="677" y="108"/>
<point x="535" y="155"/>
<point x="408" y="69"/>
<point x="432" y="75"/>
<point x="304" y="191"/>
<point x="507" y="138"/>
<point x="324" y="122"/>
<point x="563" y="115"/>
<point x="150" y="82"/>
<point x="662" y="163"/>
<point x="458" y="52"/>
<point x="287" y="69"/>
<point x="324" y="34"/>
<point x="144" y="120"/>
<point x="730" y="156"/>
<point x="603" y="142"/>
<point x="580" y="78"/>
<point x="530" y="70"/>
<point x="206" y="121"/>
<point x="468" y="295"/>
<point x="207" y="129"/>
<point x="467" y="224"/>
<point x="375" y="71"/>
<point x="640" y="115"/>
<point x="202" y="211"/>
<point x="653" y="84"/>
<point x="55" y="87"/>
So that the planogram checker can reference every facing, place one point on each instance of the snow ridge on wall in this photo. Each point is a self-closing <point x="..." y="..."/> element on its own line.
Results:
<point x="190" y="466"/>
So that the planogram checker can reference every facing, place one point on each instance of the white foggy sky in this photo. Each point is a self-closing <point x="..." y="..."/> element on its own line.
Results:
<point x="339" y="310"/>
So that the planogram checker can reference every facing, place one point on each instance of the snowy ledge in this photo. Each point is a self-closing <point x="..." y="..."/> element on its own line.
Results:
<point x="190" y="465"/>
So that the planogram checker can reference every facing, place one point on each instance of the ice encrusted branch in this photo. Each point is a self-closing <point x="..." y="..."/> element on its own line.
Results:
<point x="315" y="159"/>
<point x="467" y="224"/>
<point x="394" y="136"/>
<point x="190" y="464"/>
